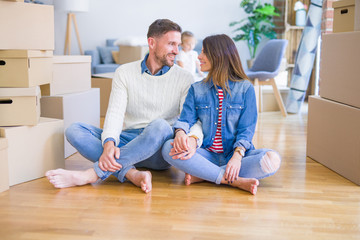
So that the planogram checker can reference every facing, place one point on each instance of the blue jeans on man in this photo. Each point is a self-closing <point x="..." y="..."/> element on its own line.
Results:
<point x="138" y="147"/>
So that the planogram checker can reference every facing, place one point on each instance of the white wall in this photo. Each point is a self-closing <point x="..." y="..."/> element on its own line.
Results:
<point x="121" y="18"/>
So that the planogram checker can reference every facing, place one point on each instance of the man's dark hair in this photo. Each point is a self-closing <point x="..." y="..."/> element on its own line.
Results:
<point x="162" y="26"/>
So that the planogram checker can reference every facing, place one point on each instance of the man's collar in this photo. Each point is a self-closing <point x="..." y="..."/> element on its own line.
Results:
<point x="145" y="69"/>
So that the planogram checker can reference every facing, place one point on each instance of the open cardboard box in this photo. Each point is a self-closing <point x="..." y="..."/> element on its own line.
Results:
<point x="74" y="107"/>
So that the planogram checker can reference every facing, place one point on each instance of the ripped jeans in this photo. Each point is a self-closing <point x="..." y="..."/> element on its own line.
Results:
<point x="211" y="166"/>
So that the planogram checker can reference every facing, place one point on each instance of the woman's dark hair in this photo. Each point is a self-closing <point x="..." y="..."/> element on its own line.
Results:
<point x="161" y="27"/>
<point x="224" y="59"/>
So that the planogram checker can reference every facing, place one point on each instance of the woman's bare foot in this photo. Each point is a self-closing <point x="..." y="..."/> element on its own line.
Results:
<point x="141" y="179"/>
<point x="247" y="184"/>
<point x="62" y="178"/>
<point x="189" y="179"/>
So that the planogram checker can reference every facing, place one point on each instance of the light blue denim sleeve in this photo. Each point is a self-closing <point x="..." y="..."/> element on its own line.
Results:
<point x="247" y="121"/>
<point x="188" y="116"/>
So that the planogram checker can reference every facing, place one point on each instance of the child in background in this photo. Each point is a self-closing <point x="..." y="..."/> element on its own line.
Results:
<point x="188" y="58"/>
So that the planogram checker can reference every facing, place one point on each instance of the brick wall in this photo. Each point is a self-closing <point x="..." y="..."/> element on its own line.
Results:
<point x="280" y="21"/>
<point x="327" y="17"/>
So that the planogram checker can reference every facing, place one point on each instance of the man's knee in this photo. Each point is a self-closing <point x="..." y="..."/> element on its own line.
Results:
<point x="70" y="132"/>
<point x="166" y="149"/>
<point x="270" y="162"/>
<point x="162" y="127"/>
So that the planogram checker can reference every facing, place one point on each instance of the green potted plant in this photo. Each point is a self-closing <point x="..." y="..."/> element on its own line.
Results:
<point x="257" y="24"/>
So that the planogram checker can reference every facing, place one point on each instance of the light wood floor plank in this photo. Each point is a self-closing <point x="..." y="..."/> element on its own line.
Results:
<point x="304" y="200"/>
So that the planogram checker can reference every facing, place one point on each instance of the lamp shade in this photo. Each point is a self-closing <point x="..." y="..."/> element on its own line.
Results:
<point x="72" y="5"/>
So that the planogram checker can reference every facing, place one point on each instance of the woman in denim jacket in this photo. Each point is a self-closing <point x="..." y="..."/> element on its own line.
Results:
<point x="224" y="102"/>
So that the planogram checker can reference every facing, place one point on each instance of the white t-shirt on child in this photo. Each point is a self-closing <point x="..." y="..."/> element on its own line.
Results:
<point x="189" y="60"/>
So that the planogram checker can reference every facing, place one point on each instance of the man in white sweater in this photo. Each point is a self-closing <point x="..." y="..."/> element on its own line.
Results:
<point x="146" y="99"/>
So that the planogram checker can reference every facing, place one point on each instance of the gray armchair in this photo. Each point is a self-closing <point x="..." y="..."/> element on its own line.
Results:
<point x="266" y="67"/>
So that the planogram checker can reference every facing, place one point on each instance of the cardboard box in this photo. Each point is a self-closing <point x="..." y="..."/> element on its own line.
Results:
<point x="75" y="107"/>
<point x="344" y="16"/>
<point x="70" y="74"/>
<point x="131" y="53"/>
<point x="33" y="150"/>
<point x="333" y="137"/>
<point x="26" y="26"/>
<point x="4" y="168"/>
<point x="339" y="68"/>
<point x="25" y="68"/>
<point x="268" y="100"/>
<point x="19" y="106"/>
<point x="104" y="83"/>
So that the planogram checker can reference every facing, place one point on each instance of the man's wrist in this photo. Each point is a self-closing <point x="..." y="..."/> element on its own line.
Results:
<point x="179" y="130"/>
<point x="109" y="142"/>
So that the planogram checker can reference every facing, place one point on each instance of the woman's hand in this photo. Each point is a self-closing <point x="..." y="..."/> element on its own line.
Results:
<point x="184" y="147"/>
<point x="233" y="168"/>
<point x="180" y="143"/>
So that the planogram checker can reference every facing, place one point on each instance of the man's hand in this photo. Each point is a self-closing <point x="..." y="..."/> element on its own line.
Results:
<point x="107" y="160"/>
<point x="184" y="147"/>
<point x="233" y="168"/>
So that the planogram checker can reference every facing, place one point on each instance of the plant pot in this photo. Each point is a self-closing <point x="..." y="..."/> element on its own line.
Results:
<point x="250" y="62"/>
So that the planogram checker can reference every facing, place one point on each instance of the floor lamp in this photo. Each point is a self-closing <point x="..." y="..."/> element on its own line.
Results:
<point x="71" y="6"/>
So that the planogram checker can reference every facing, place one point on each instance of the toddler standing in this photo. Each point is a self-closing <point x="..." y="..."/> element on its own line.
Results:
<point x="188" y="58"/>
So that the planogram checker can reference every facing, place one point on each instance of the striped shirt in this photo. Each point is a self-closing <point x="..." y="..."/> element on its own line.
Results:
<point x="217" y="145"/>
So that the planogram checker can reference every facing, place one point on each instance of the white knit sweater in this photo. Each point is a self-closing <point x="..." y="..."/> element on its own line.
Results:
<point x="137" y="99"/>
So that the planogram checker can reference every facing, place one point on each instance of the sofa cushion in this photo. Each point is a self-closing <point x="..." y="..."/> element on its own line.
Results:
<point x="95" y="57"/>
<point x="106" y="55"/>
<point x="110" y="42"/>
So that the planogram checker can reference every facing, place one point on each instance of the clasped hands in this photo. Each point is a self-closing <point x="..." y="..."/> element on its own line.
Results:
<point x="184" y="147"/>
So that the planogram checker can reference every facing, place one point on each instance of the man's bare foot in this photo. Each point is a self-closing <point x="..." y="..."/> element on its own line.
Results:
<point x="141" y="179"/>
<point x="61" y="178"/>
<point x="247" y="184"/>
<point x="189" y="179"/>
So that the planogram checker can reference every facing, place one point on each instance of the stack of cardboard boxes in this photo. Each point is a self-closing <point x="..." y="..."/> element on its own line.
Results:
<point x="40" y="94"/>
<point x="334" y="117"/>
<point x="69" y="96"/>
<point x="29" y="145"/>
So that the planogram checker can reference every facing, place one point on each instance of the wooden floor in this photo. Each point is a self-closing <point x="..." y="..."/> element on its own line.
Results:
<point x="304" y="200"/>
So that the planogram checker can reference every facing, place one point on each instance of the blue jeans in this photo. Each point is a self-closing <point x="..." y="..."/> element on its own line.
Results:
<point x="138" y="147"/>
<point x="211" y="166"/>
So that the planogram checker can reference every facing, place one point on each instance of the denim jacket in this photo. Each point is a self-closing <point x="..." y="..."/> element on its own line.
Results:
<point x="239" y="114"/>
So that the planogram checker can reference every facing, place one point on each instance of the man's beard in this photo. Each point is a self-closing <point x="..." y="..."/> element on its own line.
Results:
<point x="164" y="61"/>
